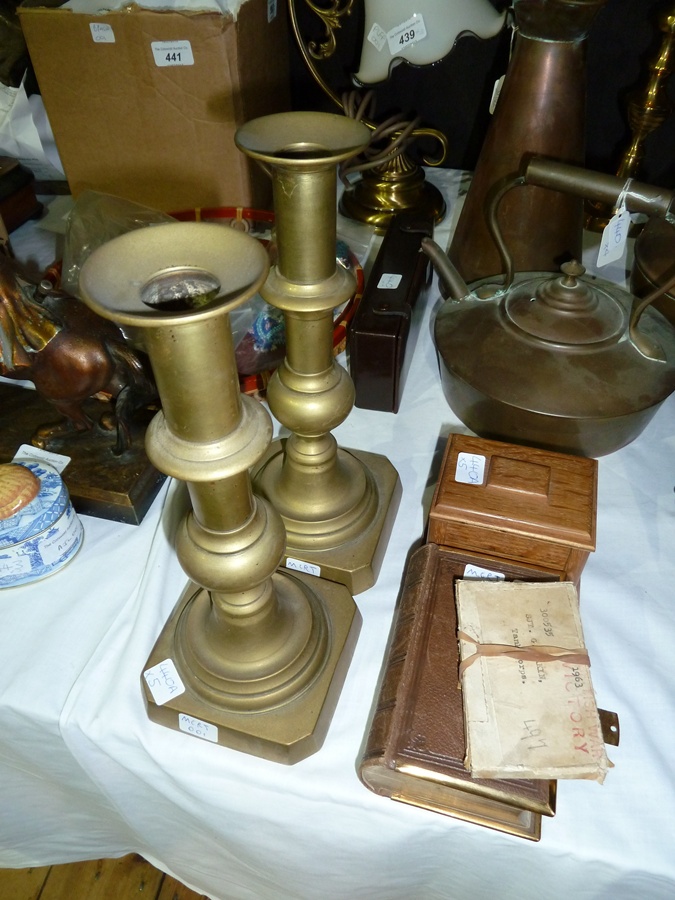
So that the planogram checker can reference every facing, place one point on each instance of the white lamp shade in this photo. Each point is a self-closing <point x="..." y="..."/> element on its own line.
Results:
<point x="419" y="31"/>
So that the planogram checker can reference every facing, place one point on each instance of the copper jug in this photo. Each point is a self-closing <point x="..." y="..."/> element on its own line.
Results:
<point x="541" y="109"/>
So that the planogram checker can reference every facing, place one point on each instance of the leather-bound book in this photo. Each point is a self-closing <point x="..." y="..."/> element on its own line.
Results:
<point x="415" y="747"/>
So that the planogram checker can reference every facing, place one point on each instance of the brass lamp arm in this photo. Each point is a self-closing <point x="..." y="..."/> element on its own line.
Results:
<point x="324" y="50"/>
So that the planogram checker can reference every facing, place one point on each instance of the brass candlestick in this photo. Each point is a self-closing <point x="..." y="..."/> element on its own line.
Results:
<point x="250" y="658"/>
<point x="338" y="506"/>
<point x="648" y="108"/>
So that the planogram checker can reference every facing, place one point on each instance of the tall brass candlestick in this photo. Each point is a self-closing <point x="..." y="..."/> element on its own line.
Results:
<point x="250" y="658"/>
<point x="648" y="108"/>
<point x="338" y="506"/>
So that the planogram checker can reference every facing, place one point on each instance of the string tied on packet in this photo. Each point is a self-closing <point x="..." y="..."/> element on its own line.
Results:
<point x="530" y="653"/>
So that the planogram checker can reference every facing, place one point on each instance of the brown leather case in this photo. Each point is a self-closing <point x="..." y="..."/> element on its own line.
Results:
<point x="385" y="325"/>
<point x="415" y="747"/>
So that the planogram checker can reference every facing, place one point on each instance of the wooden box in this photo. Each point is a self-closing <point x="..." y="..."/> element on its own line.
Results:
<point x="504" y="502"/>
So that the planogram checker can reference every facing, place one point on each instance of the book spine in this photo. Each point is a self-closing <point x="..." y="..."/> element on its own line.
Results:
<point x="382" y="738"/>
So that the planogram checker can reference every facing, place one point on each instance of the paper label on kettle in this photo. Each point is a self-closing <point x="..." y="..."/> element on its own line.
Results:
<point x="614" y="237"/>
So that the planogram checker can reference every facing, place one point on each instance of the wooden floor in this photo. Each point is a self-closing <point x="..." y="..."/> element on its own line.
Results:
<point x="103" y="879"/>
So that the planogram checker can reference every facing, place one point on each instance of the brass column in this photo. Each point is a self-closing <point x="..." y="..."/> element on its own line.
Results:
<point x="338" y="506"/>
<point x="253" y="659"/>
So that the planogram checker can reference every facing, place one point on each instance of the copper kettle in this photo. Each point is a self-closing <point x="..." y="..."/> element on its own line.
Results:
<point x="568" y="361"/>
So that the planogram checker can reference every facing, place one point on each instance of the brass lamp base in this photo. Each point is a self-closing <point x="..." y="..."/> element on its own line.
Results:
<point x="388" y="189"/>
<point x="262" y="711"/>
<point x="348" y="544"/>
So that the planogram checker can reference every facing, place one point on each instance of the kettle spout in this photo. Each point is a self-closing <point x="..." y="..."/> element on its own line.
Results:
<point x="450" y="282"/>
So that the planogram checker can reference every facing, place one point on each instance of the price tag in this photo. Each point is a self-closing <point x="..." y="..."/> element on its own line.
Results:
<point x="614" y="238"/>
<point x="57" y="460"/>
<point x="101" y="33"/>
<point x="483" y="574"/>
<point x="172" y="53"/>
<point x="408" y="33"/>
<point x="164" y="681"/>
<point x="204" y="730"/>
<point x="496" y="91"/>
<point x="62" y="537"/>
<point x="389" y="282"/>
<point x="470" y="468"/>
<point x="377" y="36"/>
<point x="299" y="565"/>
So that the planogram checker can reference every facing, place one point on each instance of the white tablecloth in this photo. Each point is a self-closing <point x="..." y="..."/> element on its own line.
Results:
<point x="85" y="774"/>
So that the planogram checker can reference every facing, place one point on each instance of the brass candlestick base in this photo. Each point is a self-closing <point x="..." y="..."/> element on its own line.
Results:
<point x="353" y="500"/>
<point x="249" y="659"/>
<point x="337" y="506"/>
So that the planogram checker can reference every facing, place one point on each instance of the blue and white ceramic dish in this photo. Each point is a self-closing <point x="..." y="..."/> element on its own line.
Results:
<point x="39" y="529"/>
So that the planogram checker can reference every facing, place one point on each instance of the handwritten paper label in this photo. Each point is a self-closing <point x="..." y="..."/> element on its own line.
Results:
<point x="61" y="538"/>
<point x="102" y="33"/>
<point x="496" y="91"/>
<point x="529" y="704"/>
<point x="298" y="565"/>
<point x="389" y="282"/>
<point x="377" y="36"/>
<point x="57" y="460"/>
<point x="470" y="468"/>
<point x="172" y="53"/>
<point x="408" y="33"/>
<point x="164" y="682"/>
<point x="204" y="730"/>
<point x="484" y="574"/>
<point x="614" y="237"/>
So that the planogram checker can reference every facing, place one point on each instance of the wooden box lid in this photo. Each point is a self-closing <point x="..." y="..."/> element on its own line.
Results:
<point x="508" y="500"/>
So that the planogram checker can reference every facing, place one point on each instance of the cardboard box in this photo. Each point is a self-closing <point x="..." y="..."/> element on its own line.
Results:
<point x="144" y="105"/>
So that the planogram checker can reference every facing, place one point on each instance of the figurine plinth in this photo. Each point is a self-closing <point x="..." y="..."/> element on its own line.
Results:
<point x="255" y="658"/>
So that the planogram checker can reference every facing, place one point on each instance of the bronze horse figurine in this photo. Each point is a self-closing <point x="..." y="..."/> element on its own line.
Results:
<point x="70" y="354"/>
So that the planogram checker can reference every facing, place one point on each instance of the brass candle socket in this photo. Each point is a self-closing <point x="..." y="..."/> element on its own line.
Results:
<point x="338" y="506"/>
<point x="250" y="658"/>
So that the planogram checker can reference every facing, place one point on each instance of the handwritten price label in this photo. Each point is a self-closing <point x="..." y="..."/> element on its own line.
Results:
<point x="389" y="281"/>
<point x="164" y="682"/>
<point x="101" y="33"/>
<point x="470" y="468"/>
<point x="299" y="565"/>
<point x="614" y="238"/>
<point x="484" y="574"/>
<point x="204" y="730"/>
